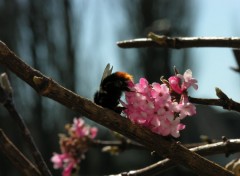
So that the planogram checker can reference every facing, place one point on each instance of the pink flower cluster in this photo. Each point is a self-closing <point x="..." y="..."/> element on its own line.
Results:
<point x="74" y="146"/>
<point x="161" y="107"/>
<point x="80" y="130"/>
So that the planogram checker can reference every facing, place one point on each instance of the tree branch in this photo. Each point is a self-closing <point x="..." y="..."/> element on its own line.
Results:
<point x="16" y="157"/>
<point x="223" y="101"/>
<point x="166" y="148"/>
<point x="228" y="147"/>
<point x="163" y="41"/>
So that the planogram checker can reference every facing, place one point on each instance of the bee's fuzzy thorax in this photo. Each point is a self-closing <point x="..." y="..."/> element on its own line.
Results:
<point x="124" y="75"/>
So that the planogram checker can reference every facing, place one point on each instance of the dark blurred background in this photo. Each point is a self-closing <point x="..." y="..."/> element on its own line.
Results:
<point x="71" y="42"/>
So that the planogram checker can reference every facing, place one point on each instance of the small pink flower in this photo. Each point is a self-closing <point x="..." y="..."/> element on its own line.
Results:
<point x="93" y="132"/>
<point x="78" y="127"/>
<point x="58" y="160"/>
<point x="181" y="83"/>
<point x="185" y="107"/>
<point x="160" y="93"/>
<point x="175" y="83"/>
<point x="189" y="80"/>
<point x="67" y="171"/>
<point x="175" y="132"/>
<point x="81" y="130"/>
<point x="64" y="161"/>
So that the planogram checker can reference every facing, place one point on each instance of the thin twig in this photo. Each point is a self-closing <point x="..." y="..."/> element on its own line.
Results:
<point x="133" y="145"/>
<point x="27" y="135"/>
<point x="229" y="147"/>
<point x="230" y="105"/>
<point x="17" y="157"/>
<point x="223" y="101"/>
<point x="181" y="42"/>
<point x="7" y="101"/>
<point x="120" y="144"/>
<point x="49" y="88"/>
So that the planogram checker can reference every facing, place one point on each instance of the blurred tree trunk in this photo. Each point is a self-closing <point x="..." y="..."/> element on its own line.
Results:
<point x="69" y="44"/>
<point x="41" y="34"/>
<point x="8" y="34"/>
<point x="164" y="18"/>
<point x="156" y="61"/>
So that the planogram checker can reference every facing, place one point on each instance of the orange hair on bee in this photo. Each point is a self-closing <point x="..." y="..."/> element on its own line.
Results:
<point x="125" y="75"/>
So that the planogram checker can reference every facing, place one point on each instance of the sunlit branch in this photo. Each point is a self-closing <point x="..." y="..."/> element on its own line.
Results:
<point x="163" y="41"/>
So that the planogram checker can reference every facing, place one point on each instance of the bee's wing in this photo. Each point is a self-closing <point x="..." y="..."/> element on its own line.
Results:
<point x="107" y="72"/>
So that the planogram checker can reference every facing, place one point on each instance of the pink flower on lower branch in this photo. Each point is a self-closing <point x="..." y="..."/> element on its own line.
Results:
<point x="74" y="146"/>
<point x="155" y="107"/>
<point x="65" y="161"/>
<point x="81" y="130"/>
<point x="58" y="160"/>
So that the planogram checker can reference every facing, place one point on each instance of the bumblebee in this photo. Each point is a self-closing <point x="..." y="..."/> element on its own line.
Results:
<point x="111" y="87"/>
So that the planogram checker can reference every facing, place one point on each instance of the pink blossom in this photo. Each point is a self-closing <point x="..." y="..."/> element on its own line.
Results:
<point x="160" y="93"/>
<point x="64" y="161"/>
<point x="58" y="160"/>
<point x="69" y="167"/>
<point x="185" y="107"/>
<point x="81" y="130"/>
<point x="78" y="127"/>
<point x="181" y="83"/>
<point x="175" y="83"/>
<point x="74" y="146"/>
<point x="93" y="132"/>
<point x="152" y="105"/>
<point x="188" y="80"/>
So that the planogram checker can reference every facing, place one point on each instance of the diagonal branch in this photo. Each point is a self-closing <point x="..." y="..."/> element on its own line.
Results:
<point x="51" y="89"/>
<point x="163" y="41"/>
